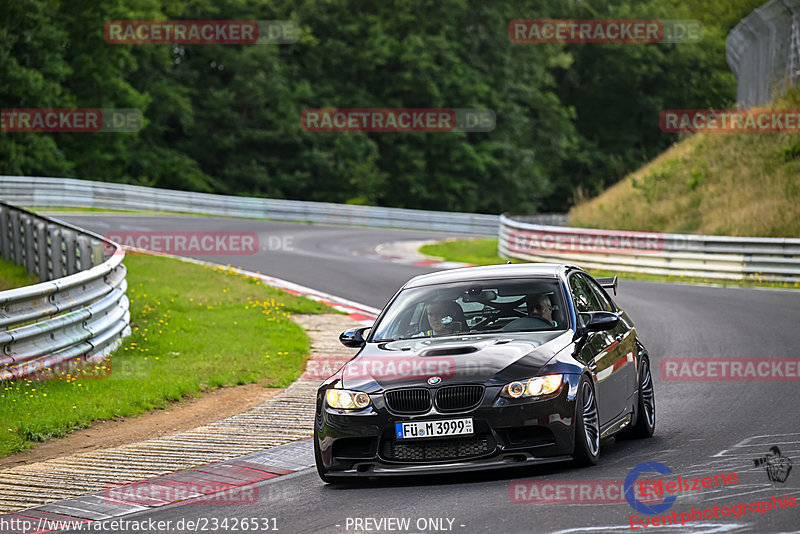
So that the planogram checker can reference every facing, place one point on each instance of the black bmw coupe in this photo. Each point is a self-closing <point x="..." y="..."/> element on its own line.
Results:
<point x="485" y="367"/>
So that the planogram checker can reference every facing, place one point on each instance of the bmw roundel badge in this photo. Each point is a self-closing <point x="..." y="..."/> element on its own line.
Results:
<point x="434" y="380"/>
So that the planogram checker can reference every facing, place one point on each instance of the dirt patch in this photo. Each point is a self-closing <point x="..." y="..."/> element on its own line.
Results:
<point x="191" y="413"/>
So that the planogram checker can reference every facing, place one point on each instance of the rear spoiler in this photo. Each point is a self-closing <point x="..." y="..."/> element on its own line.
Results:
<point x="608" y="283"/>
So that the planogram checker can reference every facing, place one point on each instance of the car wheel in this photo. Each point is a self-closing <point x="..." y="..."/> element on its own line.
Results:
<point x="645" y="405"/>
<point x="587" y="426"/>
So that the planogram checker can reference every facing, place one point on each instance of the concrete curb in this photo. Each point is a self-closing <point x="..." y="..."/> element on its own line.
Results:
<point x="228" y="482"/>
<point x="407" y="252"/>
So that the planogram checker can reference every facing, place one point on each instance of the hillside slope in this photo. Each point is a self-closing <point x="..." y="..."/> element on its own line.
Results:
<point x="733" y="184"/>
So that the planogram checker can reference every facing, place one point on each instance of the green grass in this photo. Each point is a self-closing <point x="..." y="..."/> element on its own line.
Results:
<point x="194" y="328"/>
<point x="742" y="184"/>
<point x="475" y="251"/>
<point x="484" y="252"/>
<point x="13" y="276"/>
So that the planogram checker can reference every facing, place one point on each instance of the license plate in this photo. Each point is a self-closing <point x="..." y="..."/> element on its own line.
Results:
<point x="433" y="429"/>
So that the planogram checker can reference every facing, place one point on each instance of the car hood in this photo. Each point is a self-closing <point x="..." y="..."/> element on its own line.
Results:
<point x="491" y="360"/>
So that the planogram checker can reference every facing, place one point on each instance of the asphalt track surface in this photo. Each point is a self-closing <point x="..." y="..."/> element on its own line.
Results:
<point x="703" y="428"/>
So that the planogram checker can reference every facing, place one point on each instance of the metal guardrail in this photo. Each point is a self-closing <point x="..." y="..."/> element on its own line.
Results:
<point x="699" y="256"/>
<point x="66" y="192"/>
<point x="763" y="52"/>
<point x="78" y="311"/>
<point x="39" y="192"/>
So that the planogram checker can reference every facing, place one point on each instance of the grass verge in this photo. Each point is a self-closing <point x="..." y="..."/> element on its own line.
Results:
<point x="743" y="184"/>
<point x="484" y="252"/>
<point x="195" y="328"/>
<point x="13" y="276"/>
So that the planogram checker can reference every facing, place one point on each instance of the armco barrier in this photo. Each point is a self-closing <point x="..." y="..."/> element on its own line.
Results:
<point x="701" y="256"/>
<point x="65" y="192"/>
<point x="79" y="310"/>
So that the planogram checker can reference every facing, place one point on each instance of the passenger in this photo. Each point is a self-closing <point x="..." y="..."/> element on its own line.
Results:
<point x="540" y="307"/>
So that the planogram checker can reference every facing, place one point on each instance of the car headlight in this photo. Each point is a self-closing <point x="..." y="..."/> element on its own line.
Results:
<point x="344" y="399"/>
<point x="533" y="387"/>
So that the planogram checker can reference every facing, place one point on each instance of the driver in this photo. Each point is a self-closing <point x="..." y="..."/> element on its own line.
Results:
<point x="540" y="307"/>
<point x="445" y="317"/>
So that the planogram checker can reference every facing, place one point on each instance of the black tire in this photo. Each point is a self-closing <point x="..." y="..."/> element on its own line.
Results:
<point x="645" y="406"/>
<point x="587" y="426"/>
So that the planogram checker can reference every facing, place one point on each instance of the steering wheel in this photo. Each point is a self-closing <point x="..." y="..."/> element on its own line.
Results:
<point x="528" y="323"/>
<point x="540" y="318"/>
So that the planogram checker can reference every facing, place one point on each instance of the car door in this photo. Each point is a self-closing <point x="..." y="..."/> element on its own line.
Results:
<point x="602" y="354"/>
<point x="624" y="334"/>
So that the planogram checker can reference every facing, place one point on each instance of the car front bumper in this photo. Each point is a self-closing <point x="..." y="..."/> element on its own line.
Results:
<point x="507" y="433"/>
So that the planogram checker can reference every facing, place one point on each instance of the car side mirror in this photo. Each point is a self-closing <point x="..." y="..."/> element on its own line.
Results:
<point x="600" y="321"/>
<point x="354" y="337"/>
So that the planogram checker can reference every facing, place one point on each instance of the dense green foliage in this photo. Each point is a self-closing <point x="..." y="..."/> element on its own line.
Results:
<point x="226" y="118"/>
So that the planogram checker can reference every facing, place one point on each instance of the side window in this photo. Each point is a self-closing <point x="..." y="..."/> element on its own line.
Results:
<point x="602" y="298"/>
<point x="416" y="314"/>
<point x="585" y="298"/>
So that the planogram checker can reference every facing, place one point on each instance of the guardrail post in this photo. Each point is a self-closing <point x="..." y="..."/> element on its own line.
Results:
<point x="29" y="249"/>
<point x="14" y="237"/>
<point x="57" y="268"/>
<point x="98" y="255"/>
<point x="70" y="251"/>
<point x="5" y="240"/>
<point x="41" y="251"/>
<point x="84" y="252"/>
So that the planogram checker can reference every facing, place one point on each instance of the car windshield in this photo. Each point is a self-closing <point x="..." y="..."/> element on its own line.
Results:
<point x="474" y="307"/>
